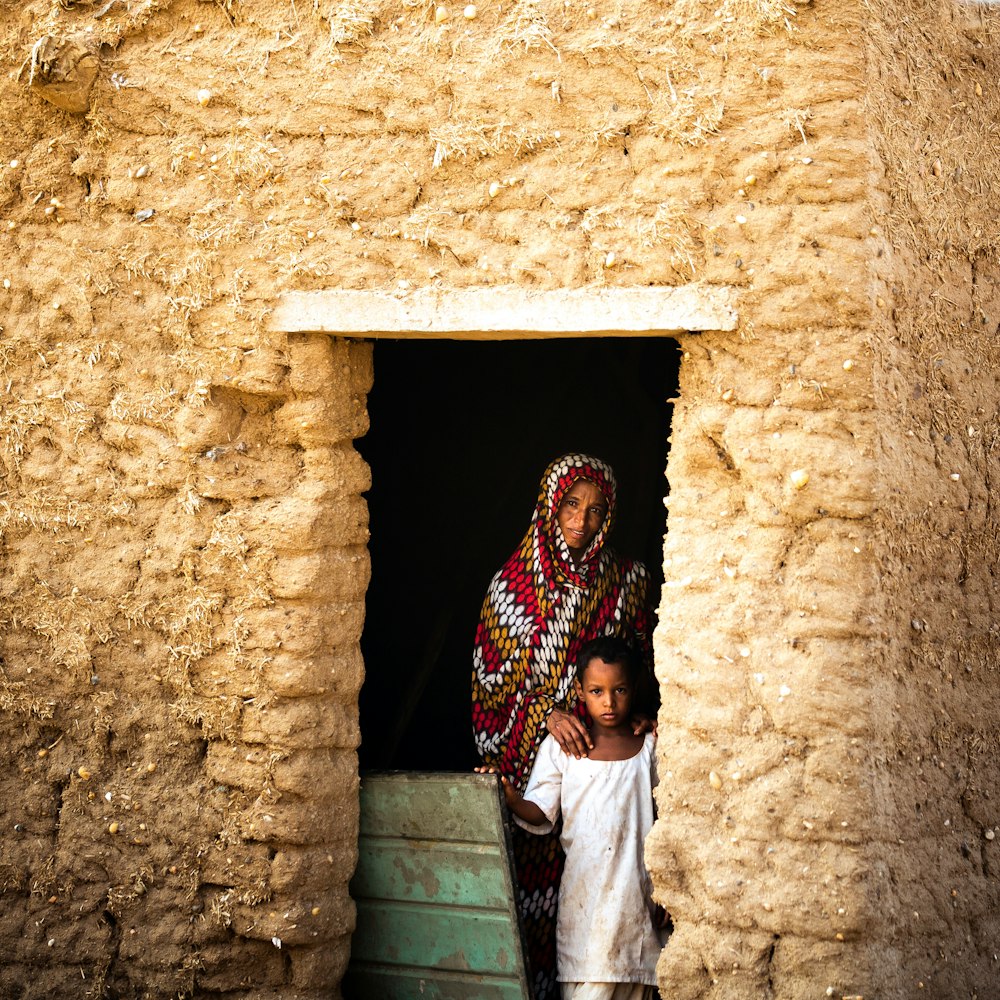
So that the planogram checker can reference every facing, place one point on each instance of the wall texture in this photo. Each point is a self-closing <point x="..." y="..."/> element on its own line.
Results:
<point x="826" y="819"/>
<point x="932" y="103"/>
<point x="183" y="557"/>
<point x="766" y="623"/>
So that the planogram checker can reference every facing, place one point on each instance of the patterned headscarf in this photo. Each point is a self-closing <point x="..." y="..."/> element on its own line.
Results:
<point x="540" y="609"/>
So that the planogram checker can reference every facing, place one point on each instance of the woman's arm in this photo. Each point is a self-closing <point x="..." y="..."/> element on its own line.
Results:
<point x="508" y="717"/>
<point x="509" y="712"/>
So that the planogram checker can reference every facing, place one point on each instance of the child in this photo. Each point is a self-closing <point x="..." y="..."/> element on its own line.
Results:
<point x="608" y="932"/>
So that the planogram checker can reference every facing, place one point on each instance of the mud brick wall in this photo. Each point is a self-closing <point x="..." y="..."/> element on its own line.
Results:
<point x="182" y="553"/>
<point x="932" y="99"/>
<point x="183" y="812"/>
<point x="826" y="818"/>
<point x="765" y="625"/>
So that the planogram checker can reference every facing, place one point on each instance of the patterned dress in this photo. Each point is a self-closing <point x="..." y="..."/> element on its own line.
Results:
<point x="540" y="609"/>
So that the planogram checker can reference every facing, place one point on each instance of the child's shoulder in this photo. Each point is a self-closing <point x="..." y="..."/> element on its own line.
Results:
<point x="552" y="755"/>
<point x="649" y="758"/>
<point x="550" y="747"/>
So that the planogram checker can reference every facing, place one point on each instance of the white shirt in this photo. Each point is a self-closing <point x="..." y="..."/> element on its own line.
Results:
<point x="605" y="930"/>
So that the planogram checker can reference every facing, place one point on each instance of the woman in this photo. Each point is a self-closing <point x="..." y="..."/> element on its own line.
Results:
<point x="562" y="587"/>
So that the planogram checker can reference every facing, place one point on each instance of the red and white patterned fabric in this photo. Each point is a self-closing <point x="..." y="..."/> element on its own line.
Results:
<point x="540" y="609"/>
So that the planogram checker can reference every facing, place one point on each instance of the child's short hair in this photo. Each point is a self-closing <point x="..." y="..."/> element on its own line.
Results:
<point x="610" y="649"/>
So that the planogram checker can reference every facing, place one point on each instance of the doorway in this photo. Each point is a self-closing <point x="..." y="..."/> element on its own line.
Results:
<point x="460" y="434"/>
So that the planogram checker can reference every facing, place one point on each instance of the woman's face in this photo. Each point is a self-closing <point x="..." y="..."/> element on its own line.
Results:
<point x="581" y="514"/>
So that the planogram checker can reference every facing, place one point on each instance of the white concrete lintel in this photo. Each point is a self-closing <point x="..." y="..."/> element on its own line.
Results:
<point x="499" y="313"/>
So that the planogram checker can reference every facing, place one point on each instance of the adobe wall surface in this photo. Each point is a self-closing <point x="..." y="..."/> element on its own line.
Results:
<point x="183" y="530"/>
<point x="875" y="877"/>
<point x="933" y="106"/>
<point x="769" y="610"/>
<point x="183" y="533"/>
<point x="828" y="654"/>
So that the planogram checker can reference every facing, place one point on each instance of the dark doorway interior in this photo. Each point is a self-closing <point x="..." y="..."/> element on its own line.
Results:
<point x="460" y="435"/>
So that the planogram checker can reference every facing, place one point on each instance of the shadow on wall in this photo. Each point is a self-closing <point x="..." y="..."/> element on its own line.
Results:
<point x="460" y="435"/>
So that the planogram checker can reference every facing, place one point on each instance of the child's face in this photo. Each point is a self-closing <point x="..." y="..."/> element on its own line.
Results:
<point x="606" y="693"/>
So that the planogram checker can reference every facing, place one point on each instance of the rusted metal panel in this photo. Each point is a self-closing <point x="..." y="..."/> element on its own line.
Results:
<point x="398" y="983"/>
<point x="430" y="806"/>
<point x="437" y="912"/>
<point x="460" y="939"/>
<point x="431" y="871"/>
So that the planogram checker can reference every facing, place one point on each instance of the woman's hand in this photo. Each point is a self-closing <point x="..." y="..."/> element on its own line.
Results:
<point x="569" y="732"/>
<point x="643" y="724"/>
